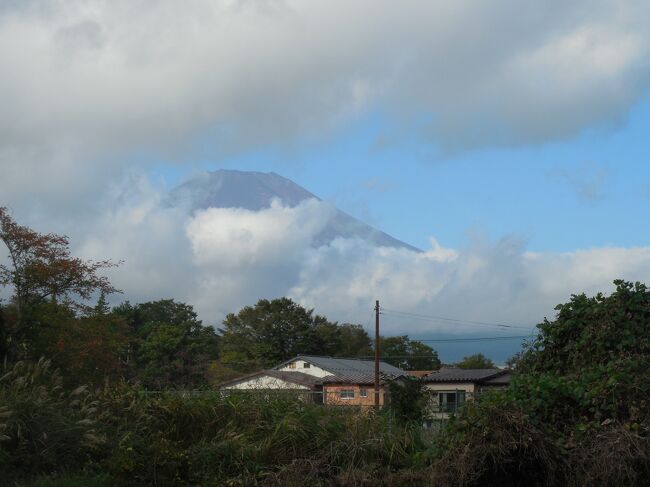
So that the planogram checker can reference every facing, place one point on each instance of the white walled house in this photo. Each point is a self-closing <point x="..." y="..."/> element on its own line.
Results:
<point x="272" y="380"/>
<point x="328" y="380"/>
<point x="303" y="365"/>
<point x="449" y="388"/>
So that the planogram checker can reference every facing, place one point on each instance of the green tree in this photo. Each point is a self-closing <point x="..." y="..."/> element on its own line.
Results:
<point x="513" y="362"/>
<point x="101" y="308"/>
<point x="142" y="317"/>
<point x="172" y="347"/>
<point x="591" y="331"/>
<point x="274" y="331"/>
<point x="408" y="399"/>
<point x="41" y="270"/>
<point x="354" y="341"/>
<point x="408" y="354"/>
<point x="340" y="340"/>
<point x="476" y="361"/>
<point x="218" y="373"/>
<point x="90" y="349"/>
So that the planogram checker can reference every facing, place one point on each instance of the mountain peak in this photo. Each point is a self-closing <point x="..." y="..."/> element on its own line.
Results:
<point x="231" y="188"/>
<point x="254" y="191"/>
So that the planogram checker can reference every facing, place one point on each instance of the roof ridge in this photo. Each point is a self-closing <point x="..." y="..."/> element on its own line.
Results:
<point x="469" y="375"/>
<point x="358" y="359"/>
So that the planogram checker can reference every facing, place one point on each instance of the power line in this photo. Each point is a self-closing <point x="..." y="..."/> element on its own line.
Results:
<point x="390" y="357"/>
<point x="447" y="324"/>
<point x="455" y="320"/>
<point x="431" y="318"/>
<point x="477" y="339"/>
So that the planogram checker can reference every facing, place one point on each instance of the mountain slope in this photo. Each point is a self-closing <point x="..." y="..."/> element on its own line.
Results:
<point x="254" y="191"/>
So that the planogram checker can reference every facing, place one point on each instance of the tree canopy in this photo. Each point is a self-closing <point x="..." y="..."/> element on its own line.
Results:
<point x="592" y="331"/>
<point x="171" y="347"/>
<point x="42" y="274"/>
<point x="408" y="354"/>
<point x="273" y="331"/>
<point x="476" y="361"/>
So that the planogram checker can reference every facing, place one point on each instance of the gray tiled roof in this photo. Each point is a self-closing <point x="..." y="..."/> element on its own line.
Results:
<point x="464" y="375"/>
<point x="349" y="370"/>
<point x="501" y="379"/>
<point x="352" y="378"/>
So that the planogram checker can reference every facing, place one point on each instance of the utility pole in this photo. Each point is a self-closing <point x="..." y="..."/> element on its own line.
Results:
<point x="377" y="354"/>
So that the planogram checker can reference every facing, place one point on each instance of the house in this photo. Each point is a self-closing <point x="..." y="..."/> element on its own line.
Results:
<point x="451" y="387"/>
<point x="326" y="380"/>
<point x="308" y="386"/>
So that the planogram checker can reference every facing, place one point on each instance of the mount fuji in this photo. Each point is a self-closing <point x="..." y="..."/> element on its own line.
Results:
<point x="254" y="191"/>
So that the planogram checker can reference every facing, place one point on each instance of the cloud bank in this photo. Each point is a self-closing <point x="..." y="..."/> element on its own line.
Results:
<point x="86" y="86"/>
<point x="222" y="259"/>
<point x="84" y="83"/>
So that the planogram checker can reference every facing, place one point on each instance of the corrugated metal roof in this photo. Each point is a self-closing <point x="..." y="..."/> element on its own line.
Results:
<point x="463" y="375"/>
<point x="348" y="369"/>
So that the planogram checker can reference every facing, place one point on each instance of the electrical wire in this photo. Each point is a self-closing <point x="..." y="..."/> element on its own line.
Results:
<point x="437" y="319"/>
<point x="477" y="339"/>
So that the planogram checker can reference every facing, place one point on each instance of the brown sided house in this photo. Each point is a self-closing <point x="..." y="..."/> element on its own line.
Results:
<point x="328" y="380"/>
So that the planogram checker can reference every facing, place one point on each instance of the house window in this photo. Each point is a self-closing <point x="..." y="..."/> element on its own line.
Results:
<point x="292" y="365"/>
<point x="346" y="394"/>
<point x="449" y="402"/>
<point x="363" y="392"/>
<point x="306" y="365"/>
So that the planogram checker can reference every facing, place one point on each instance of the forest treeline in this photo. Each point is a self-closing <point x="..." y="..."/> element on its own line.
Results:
<point x="94" y="396"/>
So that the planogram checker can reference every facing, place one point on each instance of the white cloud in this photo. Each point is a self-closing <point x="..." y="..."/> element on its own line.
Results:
<point x="235" y="237"/>
<point x="147" y="238"/>
<point x="222" y="259"/>
<point x="240" y="256"/>
<point x="85" y="82"/>
<point x="486" y="282"/>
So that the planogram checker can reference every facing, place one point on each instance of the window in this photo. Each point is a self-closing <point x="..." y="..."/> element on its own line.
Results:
<point x="292" y="365"/>
<point x="363" y="392"/>
<point x="449" y="402"/>
<point x="306" y="365"/>
<point x="346" y="394"/>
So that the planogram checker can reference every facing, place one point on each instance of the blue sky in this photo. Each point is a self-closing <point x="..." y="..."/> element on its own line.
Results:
<point x="590" y="190"/>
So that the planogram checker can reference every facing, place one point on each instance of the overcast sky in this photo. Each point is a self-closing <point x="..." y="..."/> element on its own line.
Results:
<point x="507" y="139"/>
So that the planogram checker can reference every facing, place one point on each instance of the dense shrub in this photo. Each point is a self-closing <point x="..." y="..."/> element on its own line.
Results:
<point x="43" y="427"/>
<point x="578" y="411"/>
<point x="101" y="480"/>
<point x="134" y="437"/>
<point x="494" y="442"/>
<point x="408" y="400"/>
<point x="208" y="438"/>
